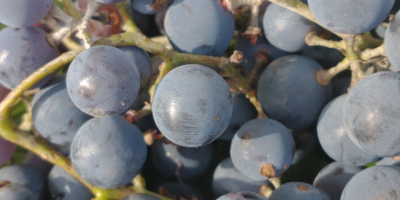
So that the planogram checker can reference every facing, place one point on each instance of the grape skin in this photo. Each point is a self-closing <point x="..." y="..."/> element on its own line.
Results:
<point x="242" y="196"/>
<point x="108" y="152"/>
<point x="392" y="39"/>
<point x="61" y="183"/>
<point x="298" y="191"/>
<point x="23" y="13"/>
<point x="59" y="128"/>
<point x="371" y="113"/>
<point x="6" y="150"/>
<point x="103" y="81"/>
<point x="142" y="62"/>
<point x="262" y="142"/>
<point x="190" y="30"/>
<point x="23" y="51"/>
<point x="194" y="161"/>
<point x="192" y="105"/>
<point x="285" y="29"/>
<point x="288" y="91"/>
<point x="350" y="17"/>
<point x="28" y="176"/>
<point x="333" y="178"/>
<point x="227" y="178"/>
<point x="250" y="51"/>
<point x="378" y="182"/>
<point x="334" y="139"/>
<point x="15" y="191"/>
<point x="242" y="112"/>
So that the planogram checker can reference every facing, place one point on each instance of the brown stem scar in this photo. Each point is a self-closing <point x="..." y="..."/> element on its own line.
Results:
<point x="267" y="170"/>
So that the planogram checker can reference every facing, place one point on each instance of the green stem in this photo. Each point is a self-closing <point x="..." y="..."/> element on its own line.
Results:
<point x="70" y="9"/>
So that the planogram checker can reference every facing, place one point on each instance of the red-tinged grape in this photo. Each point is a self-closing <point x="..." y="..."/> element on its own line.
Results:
<point x="6" y="150"/>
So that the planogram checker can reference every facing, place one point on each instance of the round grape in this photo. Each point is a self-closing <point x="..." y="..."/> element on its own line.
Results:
<point x="192" y="105"/>
<point x="199" y="27"/>
<point x="350" y="17"/>
<point x="286" y="30"/>
<point x="262" y="148"/>
<point x="108" y="152"/>
<point x="289" y="92"/>
<point x="371" y="113"/>
<point x="392" y="38"/>
<point x="103" y="81"/>
<point x="23" y="13"/>
<point x="334" y="139"/>
<point x="22" y="52"/>
<point x="379" y="182"/>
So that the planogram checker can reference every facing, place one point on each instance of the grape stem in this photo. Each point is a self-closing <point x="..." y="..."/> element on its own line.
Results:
<point x="312" y="39"/>
<point x="82" y="27"/>
<point x="70" y="9"/>
<point x="324" y="77"/>
<point x="368" y="54"/>
<point x="355" y="62"/>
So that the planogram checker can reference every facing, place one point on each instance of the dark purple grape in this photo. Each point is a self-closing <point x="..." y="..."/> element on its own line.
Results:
<point x="298" y="191"/>
<point x="16" y="191"/>
<point x="66" y="187"/>
<point x="289" y="92"/>
<point x="250" y="51"/>
<point x="59" y="128"/>
<point x="103" y="81"/>
<point x="186" y="162"/>
<point x="350" y="17"/>
<point x="392" y="38"/>
<point x="333" y="138"/>
<point x="6" y="150"/>
<point x="227" y="179"/>
<point x="242" y="196"/>
<point x="192" y="105"/>
<point x="142" y="62"/>
<point x="28" y="176"/>
<point x="108" y="152"/>
<point x="262" y="148"/>
<point x="23" y="13"/>
<point x="243" y="111"/>
<point x="22" y="52"/>
<point x="3" y="92"/>
<point x="371" y="114"/>
<point x="286" y="30"/>
<point x="191" y="30"/>
<point x="333" y="178"/>
<point x="379" y="182"/>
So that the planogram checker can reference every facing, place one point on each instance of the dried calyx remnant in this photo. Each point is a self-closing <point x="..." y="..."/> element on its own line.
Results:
<point x="267" y="170"/>
<point x="158" y="5"/>
<point x="302" y="188"/>
<point x="4" y="184"/>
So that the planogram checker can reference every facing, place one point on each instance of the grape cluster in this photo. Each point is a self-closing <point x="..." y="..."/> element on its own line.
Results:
<point x="307" y="110"/>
